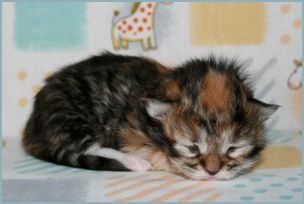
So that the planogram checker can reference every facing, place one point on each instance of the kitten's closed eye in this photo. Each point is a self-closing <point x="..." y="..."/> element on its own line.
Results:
<point x="190" y="165"/>
<point x="195" y="150"/>
<point x="231" y="149"/>
<point x="190" y="151"/>
<point x="235" y="151"/>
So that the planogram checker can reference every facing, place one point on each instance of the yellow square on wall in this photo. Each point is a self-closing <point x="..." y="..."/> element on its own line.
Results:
<point x="220" y="23"/>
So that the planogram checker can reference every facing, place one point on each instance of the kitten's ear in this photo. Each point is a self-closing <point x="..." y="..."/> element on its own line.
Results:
<point x="266" y="108"/>
<point x="156" y="108"/>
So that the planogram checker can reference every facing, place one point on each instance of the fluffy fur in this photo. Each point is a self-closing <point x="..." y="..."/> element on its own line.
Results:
<point x="113" y="112"/>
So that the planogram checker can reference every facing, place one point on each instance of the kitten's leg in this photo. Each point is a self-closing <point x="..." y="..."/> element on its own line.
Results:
<point x="131" y="162"/>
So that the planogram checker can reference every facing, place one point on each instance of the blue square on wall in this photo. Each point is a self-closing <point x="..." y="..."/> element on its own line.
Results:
<point x="50" y="25"/>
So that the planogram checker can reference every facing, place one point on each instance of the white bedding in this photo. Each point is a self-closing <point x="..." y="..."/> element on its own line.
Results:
<point x="278" y="178"/>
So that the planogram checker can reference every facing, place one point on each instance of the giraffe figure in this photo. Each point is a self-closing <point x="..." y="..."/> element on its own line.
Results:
<point x="139" y="26"/>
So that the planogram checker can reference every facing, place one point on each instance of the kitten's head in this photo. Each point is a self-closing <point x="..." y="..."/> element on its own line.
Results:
<point x="217" y="125"/>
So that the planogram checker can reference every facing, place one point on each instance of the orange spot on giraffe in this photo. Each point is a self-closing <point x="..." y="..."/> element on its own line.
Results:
<point x="145" y="20"/>
<point x="119" y="27"/>
<point x="140" y="29"/>
<point x="130" y="27"/>
<point x="149" y="5"/>
<point x="142" y="10"/>
<point x="149" y="13"/>
<point x="135" y="20"/>
<point x="124" y="22"/>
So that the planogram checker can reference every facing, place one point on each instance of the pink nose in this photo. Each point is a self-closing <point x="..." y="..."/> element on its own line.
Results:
<point x="212" y="164"/>
<point x="212" y="171"/>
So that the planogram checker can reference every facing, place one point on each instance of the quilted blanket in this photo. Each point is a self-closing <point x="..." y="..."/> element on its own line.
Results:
<point x="277" y="178"/>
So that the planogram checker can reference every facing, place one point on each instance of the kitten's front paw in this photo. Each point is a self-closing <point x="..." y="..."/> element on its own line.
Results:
<point x="137" y="164"/>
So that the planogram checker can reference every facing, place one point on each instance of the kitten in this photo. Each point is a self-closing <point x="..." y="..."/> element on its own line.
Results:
<point x="79" y="112"/>
<point x="217" y="125"/>
<point x="114" y="112"/>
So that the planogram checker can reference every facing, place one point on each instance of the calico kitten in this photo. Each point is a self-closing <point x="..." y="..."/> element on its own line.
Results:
<point x="217" y="126"/>
<point x="114" y="112"/>
<point x="80" y="111"/>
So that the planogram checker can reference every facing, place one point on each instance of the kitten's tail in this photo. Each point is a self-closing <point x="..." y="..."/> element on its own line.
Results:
<point x="99" y="163"/>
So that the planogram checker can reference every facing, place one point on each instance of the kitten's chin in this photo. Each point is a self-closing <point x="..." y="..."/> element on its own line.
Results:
<point x="199" y="176"/>
<point x="203" y="176"/>
<point x="224" y="175"/>
<point x="196" y="175"/>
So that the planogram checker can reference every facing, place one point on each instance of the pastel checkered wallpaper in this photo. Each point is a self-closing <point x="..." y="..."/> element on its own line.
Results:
<point x="39" y="38"/>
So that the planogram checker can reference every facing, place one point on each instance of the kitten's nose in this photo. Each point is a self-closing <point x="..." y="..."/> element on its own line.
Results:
<point x="212" y="172"/>
<point x="212" y="164"/>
